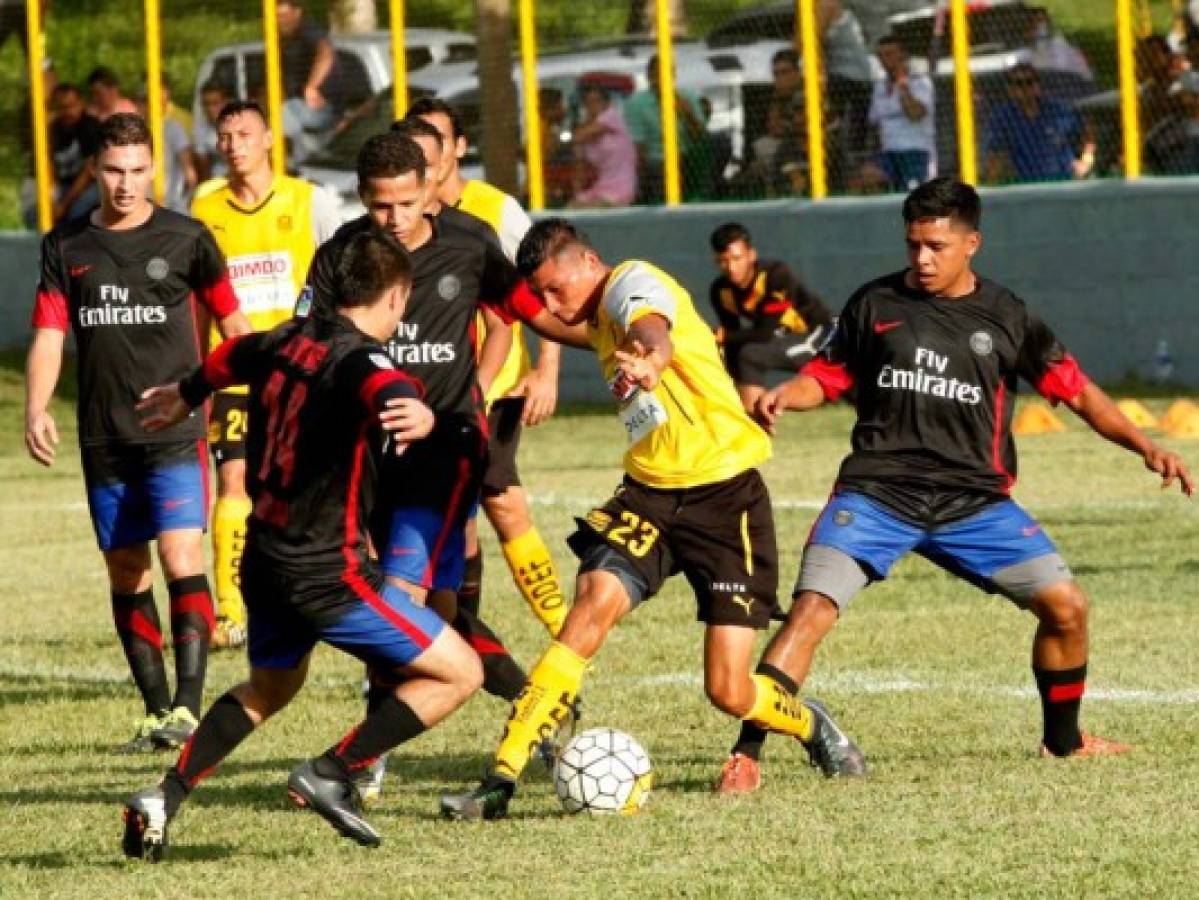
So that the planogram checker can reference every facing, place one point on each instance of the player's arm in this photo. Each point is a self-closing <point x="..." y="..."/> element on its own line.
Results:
<point x="209" y="278"/>
<point x="823" y="379"/>
<point x="235" y="361"/>
<point x="647" y="350"/>
<point x="394" y="398"/>
<point x="494" y="349"/>
<point x="42" y="368"/>
<point x="539" y="386"/>
<point x="729" y="321"/>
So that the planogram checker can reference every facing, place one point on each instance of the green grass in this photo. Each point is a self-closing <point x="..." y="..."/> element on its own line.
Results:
<point x="929" y="674"/>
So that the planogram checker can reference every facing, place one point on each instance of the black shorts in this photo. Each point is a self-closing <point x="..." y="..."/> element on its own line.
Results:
<point x="503" y="421"/>
<point x="721" y="536"/>
<point x="227" y="427"/>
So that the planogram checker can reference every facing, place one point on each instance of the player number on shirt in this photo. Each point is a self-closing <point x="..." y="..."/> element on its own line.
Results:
<point x="283" y="426"/>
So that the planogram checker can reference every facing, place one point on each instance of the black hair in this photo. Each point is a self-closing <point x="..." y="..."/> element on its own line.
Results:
<point x="390" y="155"/>
<point x="544" y="240"/>
<point x="944" y="197"/>
<point x="105" y="76"/>
<point x="237" y="107"/>
<point x="414" y="127"/>
<point x="371" y="263"/>
<point x="66" y="87"/>
<point x="787" y="55"/>
<point x="892" y="40"/>
<point x="729" y="233"/>
<point x="122" y="130"/>
<point x="432" y="105"/>
<point x="214" y="86"/>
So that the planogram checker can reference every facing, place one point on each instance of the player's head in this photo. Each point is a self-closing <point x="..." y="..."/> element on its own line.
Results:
<point x="735" y="253"/>
<point x="213" y="98"/>
<point x="429" y="140"/>
<point x="562" y="268"/>
<point x="375" y="273"/>
<point x="243" y="137"/>
<point x="448" y="123"/>
<point x="391" y="183"/>
<point x="942" y="219"/>
<point x="124" y="163"/>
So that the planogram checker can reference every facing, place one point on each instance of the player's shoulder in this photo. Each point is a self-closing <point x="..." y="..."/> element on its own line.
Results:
<point x="346" y="233"/>
<point x="477" y="190"/>
<point x="210" y="194"/>
<point x="167" y="221"/>
<point x="453" y="219"/>
<point x="884" y="288"/>
<point x="636" y="283"/>
<point x="1002" y="301"/>
<point x="65" y="232"/>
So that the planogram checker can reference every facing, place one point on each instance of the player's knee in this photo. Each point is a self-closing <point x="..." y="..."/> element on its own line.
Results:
<point x="128" y="570"/>
<point x="729" y="694"/>
<point x="181" y="554"/>
<point x="1063" y="607"/>
<point x="599" y="603"/>
<point x="469" y="676"/>
<point x="508" y="514"/>
<point x="811" y="616"/>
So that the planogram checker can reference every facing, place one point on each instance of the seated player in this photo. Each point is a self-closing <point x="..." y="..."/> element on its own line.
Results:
<point x="933" y="354"/>
<point x="769" y="322"/>
<point x="314" y="452"/>
<point x="692" y="501"/>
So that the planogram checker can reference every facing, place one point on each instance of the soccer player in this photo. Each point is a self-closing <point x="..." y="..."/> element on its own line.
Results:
<point x="521" y="394"/>
<point x="122" y="280"/>
<point x="268" y="226"/>
<point x="692" y="501"/>
<point x="315" y="450"/>
<point x="932" y="355"/>
<point x="787" y="323"/>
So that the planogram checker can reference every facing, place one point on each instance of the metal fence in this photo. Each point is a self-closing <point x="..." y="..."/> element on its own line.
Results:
<point x="588" y="105"/>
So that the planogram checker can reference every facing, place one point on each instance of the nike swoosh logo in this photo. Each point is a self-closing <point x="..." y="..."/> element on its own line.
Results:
<point x="1030" y="530"/>
<point x="175" y="504"/>
<point x="402" y="551"/>
<point x="76" y="271"/>
<point x="884" y="327"/>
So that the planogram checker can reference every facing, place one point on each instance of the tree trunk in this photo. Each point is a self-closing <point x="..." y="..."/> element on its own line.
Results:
<point x="352" y="16"/>
<point x="499" y="141"/>
<point x="643" y="17"/>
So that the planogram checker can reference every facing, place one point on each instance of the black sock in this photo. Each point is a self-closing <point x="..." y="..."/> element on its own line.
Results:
<point x="1061" y="695"/>
<point x="224" y="726"/>
<point x="470" y="595"/>
<point x="389" y="724"/>
<point x="752" y="738"/>
<point x="136" y="619"/>
<point x="502" y="676"/>
<point x="191" y="631"/>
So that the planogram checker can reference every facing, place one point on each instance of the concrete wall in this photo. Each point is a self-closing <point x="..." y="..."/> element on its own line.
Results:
<point x="1113" y="267"/>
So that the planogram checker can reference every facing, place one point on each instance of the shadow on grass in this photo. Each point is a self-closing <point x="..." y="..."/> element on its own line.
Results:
<point x="177" y="854"/>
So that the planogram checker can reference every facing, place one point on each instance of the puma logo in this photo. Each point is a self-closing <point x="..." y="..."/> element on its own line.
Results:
<point x="746" y="605"/>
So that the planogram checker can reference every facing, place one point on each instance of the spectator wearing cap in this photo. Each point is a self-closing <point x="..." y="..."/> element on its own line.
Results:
<point x="1036" y="138"/>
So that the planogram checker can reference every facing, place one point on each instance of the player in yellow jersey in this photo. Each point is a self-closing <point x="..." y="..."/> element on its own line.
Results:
<point x="692" y="501"/>
<point x="521" y="394"/>
<point x="268" y="226"/>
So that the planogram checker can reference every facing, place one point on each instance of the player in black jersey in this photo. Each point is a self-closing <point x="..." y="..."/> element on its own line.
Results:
<point x="768" y="320"/>
<point x="122" y="281"/>
<point x="315" y="448"/>
<point x="932" y="355"/>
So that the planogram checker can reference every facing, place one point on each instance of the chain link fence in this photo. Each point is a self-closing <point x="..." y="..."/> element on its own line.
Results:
<point x="1044" y="85"/>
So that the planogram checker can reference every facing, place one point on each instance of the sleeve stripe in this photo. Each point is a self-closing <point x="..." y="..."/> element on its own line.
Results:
<point x="217" y="370"/>
<point x="834" y="378"/>
<point x="50" y="310"/>
<point x="1063" y="380"/>
<point x="368" y="392"/>
<point x="219" y="297"/>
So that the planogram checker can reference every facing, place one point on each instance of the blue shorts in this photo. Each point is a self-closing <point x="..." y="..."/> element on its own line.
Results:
<point x="425" y="547"/>
<point x="135" y="492"/>
<point x="383" y="627"/>
<point x="1000" y="548"/>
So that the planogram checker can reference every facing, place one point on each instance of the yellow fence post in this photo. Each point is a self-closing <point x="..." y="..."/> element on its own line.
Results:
<point x="37" y="98"/>
<point x="813" y="97"/>
<point x="534" y="170"/>
<point x="274" y="85"/>
<point x="670" y="125"/>
<point x="1129" y="95"/>
<point x="399" y="60"/>
<point x="963" y="93"/>
<point x="154" y="97"/>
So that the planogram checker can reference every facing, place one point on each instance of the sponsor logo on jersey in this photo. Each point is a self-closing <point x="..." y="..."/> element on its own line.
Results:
<point x="928" y="378"/>
<point x="449" y="287"/>
<point x="981" y="343"/>
<point x="158" y="268"/>
<point x="263" y="281"/>
<point x="116" y="310"/>
<point x="729" y="587"/>
<point x="424" y="353"/>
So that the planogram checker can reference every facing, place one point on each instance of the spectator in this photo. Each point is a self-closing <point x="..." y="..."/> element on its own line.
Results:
<point x="107" y="98"/>
<point x="308" y="62"/>
<point x="1172" y="145"/>
<point x="1157" y="68"/>
<point x="643" y="117"/>
<point x="902" y="109"/>
<point x="766" y="147"/>
<point x="787" y="87"/>
<point x="73" y="137"/>
<point x="179" y="167"/>
<point x="209" y="163"/>
<point x="847" y="71"/>
<point x="556" y="157"/>
<point x="1049" y="51"/>
<point x="173" y="111"/>
<point x="791" y="173"/>
<point x="605" y="153"/>
<point x="1036" y="138"/>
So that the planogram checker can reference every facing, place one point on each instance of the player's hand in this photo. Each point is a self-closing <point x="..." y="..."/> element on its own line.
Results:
<point x="541" y="397"/>
<point x="41" y="437"/>
<point x="314" y="98"/>
<point x="635" y="364"/>
<point x="406" y="419"/>
<point x="161" y="407"/>
<point x="768" y="408"/>
<point x="1170" y="467"/>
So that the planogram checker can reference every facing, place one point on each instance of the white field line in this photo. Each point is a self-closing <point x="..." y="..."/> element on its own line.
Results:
<point x="847" y="682"/>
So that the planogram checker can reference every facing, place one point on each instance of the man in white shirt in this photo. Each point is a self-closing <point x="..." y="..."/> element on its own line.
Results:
<point x="902" y="110"/>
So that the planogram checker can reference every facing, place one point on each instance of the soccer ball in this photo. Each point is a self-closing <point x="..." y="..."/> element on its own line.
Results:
<point x="603" y="770"/>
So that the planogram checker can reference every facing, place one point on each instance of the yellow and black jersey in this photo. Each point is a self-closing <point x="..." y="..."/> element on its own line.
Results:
<point x="691" y="429"/>
<point x="774" y="300"/>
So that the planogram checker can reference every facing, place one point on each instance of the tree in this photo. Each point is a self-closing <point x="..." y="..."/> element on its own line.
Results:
<point x="353" y="16"/>
<point x="643" y="17"/>
<point x="499" y="141"/>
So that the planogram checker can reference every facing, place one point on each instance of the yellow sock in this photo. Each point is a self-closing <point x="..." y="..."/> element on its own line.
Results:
<point x="537" y="579"/>
<point x="228" y="540"/>
<point x="541" y="707"/>
<point x="777" y="709"/>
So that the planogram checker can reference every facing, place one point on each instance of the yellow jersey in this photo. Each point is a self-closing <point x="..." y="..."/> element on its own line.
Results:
<point x="268" y="247"/>
<point x="691" y="429"/>
<point x="509" y="222"/>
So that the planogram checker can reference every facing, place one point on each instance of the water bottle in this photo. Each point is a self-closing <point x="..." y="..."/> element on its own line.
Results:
<point x="1163" y="363"/>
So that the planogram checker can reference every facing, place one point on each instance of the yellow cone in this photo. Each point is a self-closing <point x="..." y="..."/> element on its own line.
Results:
<point x="1036" y="418"/>
<point x="1138" y="414"/>
<point x="1179" y="411"/>
<point x="1185" y="424"/>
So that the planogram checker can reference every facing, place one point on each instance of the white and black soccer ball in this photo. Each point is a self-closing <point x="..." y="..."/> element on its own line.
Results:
<point x="603" y="770"/>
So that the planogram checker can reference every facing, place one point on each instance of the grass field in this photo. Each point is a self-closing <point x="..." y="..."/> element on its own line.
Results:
<point x="930" y="676"/>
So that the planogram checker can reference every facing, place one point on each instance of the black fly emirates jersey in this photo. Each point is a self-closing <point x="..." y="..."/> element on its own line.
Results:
<point x="128" y="298"/>
<point x="934" y="383"/>
<point x="314" y="448"/>
<point x="454" y="273"/>
<point x="774" y="300"/>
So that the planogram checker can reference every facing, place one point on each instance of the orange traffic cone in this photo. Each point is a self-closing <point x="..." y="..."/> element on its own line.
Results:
<point x="1036" y="418"/>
